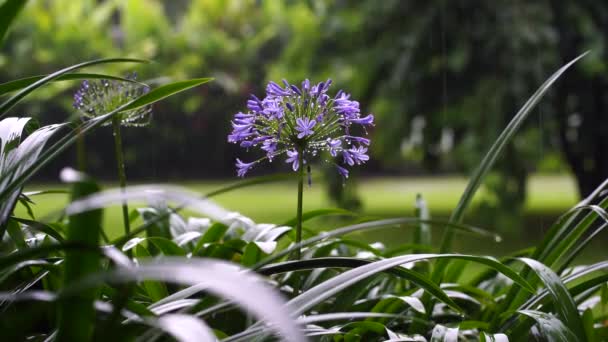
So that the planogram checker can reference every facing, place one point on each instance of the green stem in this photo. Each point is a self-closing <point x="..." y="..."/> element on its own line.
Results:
<point x="81" y="154"/>
<point x="121" y="170"/>
<point x="300" y="195"/>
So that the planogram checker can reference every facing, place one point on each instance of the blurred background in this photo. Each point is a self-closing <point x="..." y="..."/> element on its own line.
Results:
<point x="443" y="78"/>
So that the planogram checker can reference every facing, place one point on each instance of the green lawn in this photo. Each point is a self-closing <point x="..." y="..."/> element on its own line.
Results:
<point x="381" y="196"/>
<point x="548" y="197"/>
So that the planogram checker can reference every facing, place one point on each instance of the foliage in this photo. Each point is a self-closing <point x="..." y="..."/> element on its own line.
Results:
<point x="216" y="274"/>
<point x="444" y="78"/>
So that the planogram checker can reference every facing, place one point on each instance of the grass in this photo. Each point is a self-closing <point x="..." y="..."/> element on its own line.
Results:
<point x="548" y="195"/>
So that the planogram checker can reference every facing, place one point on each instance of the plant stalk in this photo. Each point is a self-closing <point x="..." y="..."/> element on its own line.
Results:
<point x="81" y="154"/>
<point x="300" y="195"/>
<point x="121" y="170"/>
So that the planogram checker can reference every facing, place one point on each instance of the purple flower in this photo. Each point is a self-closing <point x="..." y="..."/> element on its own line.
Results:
<point x="275" y="90"/>
<point x="242" y="168"/>
<point x="355" y="155"/>
<point x="304" y="126"/>
<point x="306" y="85"/>
<point x="300" y="122"/>
<point x="342" y="171"/>
<point x="292" y="157"/>
<point x="344" y="106"/>
<point x="270" y="146"/>
<point x="320" y="88"/>
<point x="334" y="145"/>
<point x="99" y="97"/>
<point x="368" y="120"/>
<point x="242" y="119"/>
<point x="360" y="140"/>
<point x="295" y="89"/>
<point x="272" y="108"/>
<point x="254" y="104"/>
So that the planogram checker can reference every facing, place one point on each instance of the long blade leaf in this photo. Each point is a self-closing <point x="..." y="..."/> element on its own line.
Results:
<point x="8" y="104"/>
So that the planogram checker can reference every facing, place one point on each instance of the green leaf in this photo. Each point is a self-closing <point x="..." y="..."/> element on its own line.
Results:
<point x="586" y="279"/>
<point x="363" y="328"/>
<point x="251" y="182"/>
<point x="438" y="334"/>
<point x="38" y="263"/>
<point x="214" y="234"/>
<point x="562" y="299"/>
<point x="45" y="228"/>
<point x="370" y="226"/>
<point x="395" y="305"/>
<point x="319" y="213"/>
<point x="588" y="323"/>
<point x="493" y="338"/>
<point x="327" y="289"/>
<point x="486" y="164"/>
<point x="223" y="279"/>
<point x="166" y="246"/>
<point x="468" y="325"/>
<point x="495" y="150"/>
<point x="14" y="231"/>
<point x="422" y="234"/>
<point x="333" y="262"/>
<point x="164" y="91"/>
<point x="66" y="141"/>
<point x="21" y="83"/>
<point x="252" y="254"/>
<point x="8" y="104"/>
<point x="77" y="314"/>
<point x="185" y="328"/>
<point x="17" y="155"/>
<point x="154" y="289"/>
<point x="8" y="12"/>
<point x="552" y="328"/>
<point x="34" y="252"/>
<point x="604" y="295"/>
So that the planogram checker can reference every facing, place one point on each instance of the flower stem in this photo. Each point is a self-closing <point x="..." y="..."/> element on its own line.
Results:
<point x="121" y="170"/>
<point x="81" y="153"/>
<point x="300" y="195"/>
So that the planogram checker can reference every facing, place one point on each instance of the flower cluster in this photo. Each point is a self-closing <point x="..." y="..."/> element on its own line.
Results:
<point x="96" y="98"/>
<point x="300" y="122"/>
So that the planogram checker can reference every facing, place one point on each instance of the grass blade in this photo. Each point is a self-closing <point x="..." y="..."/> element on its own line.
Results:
<point x="552" y="328"/>
<point x="561" y="297"/>
<point x="495" y="150"/>
<point x="185" y="328"/>
<point x="251" y="182"/>
<point x="374" y="225"/>
<point x="317" y="213"/>
<point x="15" y="156"/>
<point x="65" y="142"/>
<point x="21" y="83"/>
<point x="221" y="278"/>
<point x="418" y="279"/>
<point x="77" y="315"/>
<point x="164" y="91"/>
<point x="8" y="104"/>
<point x="8" y="12"/>
<point x="327" y="289"/>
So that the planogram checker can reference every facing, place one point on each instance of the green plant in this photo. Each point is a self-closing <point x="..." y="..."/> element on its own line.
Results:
<point x="207" y="273"/>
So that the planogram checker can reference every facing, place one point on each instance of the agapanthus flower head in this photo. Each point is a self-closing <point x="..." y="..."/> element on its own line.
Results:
<point x="301" y="122"/>
<point x="98" y="97"/>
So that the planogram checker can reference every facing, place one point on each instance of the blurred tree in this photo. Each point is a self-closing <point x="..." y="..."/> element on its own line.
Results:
<point x="232" y="41"/>
<point x="445" y="77"/>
